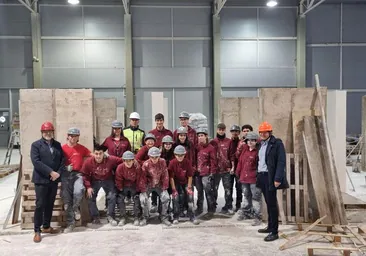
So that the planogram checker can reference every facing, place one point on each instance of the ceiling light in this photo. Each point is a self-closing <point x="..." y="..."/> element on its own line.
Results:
<point x="73" y="1"/>
<point x="271" y="3"/>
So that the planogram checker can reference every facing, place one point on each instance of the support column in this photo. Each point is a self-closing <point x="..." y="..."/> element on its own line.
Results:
<point x="36" y="48"/>
<point x="301" y="53"/>
<point x="216" y="69"/>
<point x="130" y="95"/>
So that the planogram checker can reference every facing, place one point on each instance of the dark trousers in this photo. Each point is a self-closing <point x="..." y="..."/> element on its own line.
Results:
<point x="228" y="185"/>
<point x="110" y="191"/>
<point x="271" y="201"/>
<point x="205" y="185"/>
<point x="45" y="199"/>
<point x="179" y="200"/>
<point x="129" y="192"/>
<point x="239" y="191"/>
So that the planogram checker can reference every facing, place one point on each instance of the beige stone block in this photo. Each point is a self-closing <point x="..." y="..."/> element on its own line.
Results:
<point x="229" y="104"/>
<point x="249" y="112"/>
<point x="229" y="118"/>
<point x="105" y="111"/>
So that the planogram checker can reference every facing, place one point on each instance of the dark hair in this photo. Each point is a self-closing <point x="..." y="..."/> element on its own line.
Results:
<point x="167" y="155"/>
<point x="247" y="126"/>
<point x="98" y="147"/>
<point x="159" y="116"/>
<point x="187" y="144"/>
<point x="121" y="136"/>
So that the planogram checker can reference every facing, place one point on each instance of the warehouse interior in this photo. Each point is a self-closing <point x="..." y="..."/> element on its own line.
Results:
<point x="199" y="56"/>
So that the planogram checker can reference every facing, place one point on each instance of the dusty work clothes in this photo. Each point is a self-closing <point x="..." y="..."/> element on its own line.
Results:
<point x="117" y="147"/>
<point x="205" y="185"/>
<point x="135" y="136"/>
<point x="239" y="192"/>
<point x="164" y="200"/>
<point x="134" y="195"/>
<point x="159" y="135"/>
<point x="228" y="185"/>
<point x="142" y="155"/>
<point x="110" y="192"/>
<point x="183" y="196"/>
<point x="252" y="201"/>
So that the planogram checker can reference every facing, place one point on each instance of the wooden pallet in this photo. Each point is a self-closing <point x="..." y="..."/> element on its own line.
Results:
<point x="6" y="170"/>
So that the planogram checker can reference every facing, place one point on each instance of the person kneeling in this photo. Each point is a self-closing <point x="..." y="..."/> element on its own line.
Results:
<point x="180" y="173"/>
<point x="127" y="181"/>
<point x="98" y="173"/>
<point x="154" y="178"/>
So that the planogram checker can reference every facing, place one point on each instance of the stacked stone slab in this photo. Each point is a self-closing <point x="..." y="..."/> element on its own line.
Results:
<point x="105" y="111"/>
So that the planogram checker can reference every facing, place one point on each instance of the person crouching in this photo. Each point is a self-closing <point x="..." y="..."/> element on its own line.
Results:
<point x="154" y="178"/>
<point x="180" y="173"/>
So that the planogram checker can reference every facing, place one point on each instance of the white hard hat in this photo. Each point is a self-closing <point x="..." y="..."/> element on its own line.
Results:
<point x="134" y="115"/>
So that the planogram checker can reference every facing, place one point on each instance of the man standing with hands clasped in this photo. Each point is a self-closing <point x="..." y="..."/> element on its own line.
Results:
<point x="271" y="176"/>
<point x="48" y="161"/>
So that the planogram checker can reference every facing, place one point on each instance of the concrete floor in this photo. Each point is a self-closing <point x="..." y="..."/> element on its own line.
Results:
<point x="220" y="236"/>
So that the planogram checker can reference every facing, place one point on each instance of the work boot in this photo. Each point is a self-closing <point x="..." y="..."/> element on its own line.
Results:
<point x="69" y="229"/>
<point x="198" y="211"/>
<point x="143" y="222"/>
<point x="154" y="209"/>
<point x="136" y="222"/>
<point x="256" y="222"/>
<point x="37" y="237"/>
<point x="166" y="222"/>
<point x="194" y="221"/>
<point x="49" y="230"/>
<point x="112" y="221"/>
<point x="175" y="222"/>
<point x="271" y="237"/>
<point x="77" y="214"/>
<point x="122" y="222"/>
<point x="96" y="221"/>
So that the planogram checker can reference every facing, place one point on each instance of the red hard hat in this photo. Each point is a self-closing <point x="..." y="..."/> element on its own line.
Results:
<point x="47" y="126"/>
<point x="265" y="127"/>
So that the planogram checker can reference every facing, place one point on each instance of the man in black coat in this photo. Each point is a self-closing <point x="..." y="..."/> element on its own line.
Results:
<point x="271" y="176"/>
<point x="48" y="162"/>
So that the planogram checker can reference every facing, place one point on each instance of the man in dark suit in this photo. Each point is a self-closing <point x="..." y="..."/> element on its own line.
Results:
<point x="271" y="176"/>
<point x="48" y="161"/>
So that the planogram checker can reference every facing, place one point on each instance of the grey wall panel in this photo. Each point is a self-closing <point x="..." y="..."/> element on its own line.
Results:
<point x="15" y="21"/>
<point x="151" y="22"/>
<point x="172" y="77"/>
<point x="239" y="92"/>
<point x="83" y="78"/>
<point x="325" y="62"/>
<point x="4" y="99"/>
<point x="111" y="93"/>
<point x="354" y="67"/>
<point x="63" y="53"/>
<point x="323" y="24"/>
<point x="277" y="53"/>
<point x="274" y="77"/>
<point x="104" y="54"/>
<point x="238" y="54"/>
<point x="192" y="53"/>
<point x="354" y="112"/>
<point x="102" y="22"/>
<point x="152" y="53"/>
<point x="354" y="22"/>
<point x="62" y="21"/>
<point x="277" y="22"/>
<point x="16" y="53"/>
<point x="239" y="23"/>
<point x="15" y="100"/>
<point x="195" y="22"/>
<point x="16" y="78"/>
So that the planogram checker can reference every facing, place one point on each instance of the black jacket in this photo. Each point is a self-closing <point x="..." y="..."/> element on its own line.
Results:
<point x="276" y="163"/>
<point x="45" y="162"/>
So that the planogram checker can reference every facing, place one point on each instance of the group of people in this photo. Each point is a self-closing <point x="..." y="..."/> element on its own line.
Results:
<point x="163" y="167"/>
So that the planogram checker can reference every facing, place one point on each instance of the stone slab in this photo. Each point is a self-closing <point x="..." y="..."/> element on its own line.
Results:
<point x="363" y="133"/>
<point x="249" y="112"/>
<point x="105" y="111"/>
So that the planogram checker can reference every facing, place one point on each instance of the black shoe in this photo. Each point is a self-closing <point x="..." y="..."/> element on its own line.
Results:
<point x="264" y="230"/>
<point x="271" y="237"/>
<point x="198" y="211"/>
<point x="237" y="208"/>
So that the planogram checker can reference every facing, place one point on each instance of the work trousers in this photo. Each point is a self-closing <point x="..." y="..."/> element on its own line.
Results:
<point x="110" y="191"/>
<point x="206" y="185"/>
<point x="135" y="196"/>
<point x="164" y="200"/>
<point x="239" y="192"/>
<point x="179" y="200"/>
<point x="270" y="197"/>
<point x="45" y="199"/>
<point x="227" y="184"/>
<point x="72" y="192"/>
<point x="252" y="201"/>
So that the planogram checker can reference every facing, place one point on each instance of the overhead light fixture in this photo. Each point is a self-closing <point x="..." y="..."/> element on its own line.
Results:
<point x="271" y="3"/>
<point x="73" y="1"/>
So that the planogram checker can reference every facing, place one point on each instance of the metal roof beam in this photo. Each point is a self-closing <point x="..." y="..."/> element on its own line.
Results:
<point x="218" y="5"/>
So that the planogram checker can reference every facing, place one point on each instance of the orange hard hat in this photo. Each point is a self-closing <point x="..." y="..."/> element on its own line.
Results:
<point x="47" y="126"/>
<point x="265" y="127"/>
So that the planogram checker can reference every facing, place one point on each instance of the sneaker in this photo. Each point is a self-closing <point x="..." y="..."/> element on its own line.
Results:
<point x="122" y="222"/>
<point x="69" y="229"/>
<point x="230" y="211"/>
<point x="153" y="209"/>
<point x="96" y="221"/>
<point x="143" y="222"/>
<point x="256" y="222"/>
<point x="77" y="215"/>
<point x="175" y="222"/>
<point x="166" y="222"/>
<point x="194" y="221"/>
<point x="112" y="221"/>
<point x="136" y="222"/>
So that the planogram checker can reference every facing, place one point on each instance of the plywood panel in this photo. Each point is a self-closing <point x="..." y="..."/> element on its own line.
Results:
<point x="36" y="107"/>
<point x="298" y="128"/>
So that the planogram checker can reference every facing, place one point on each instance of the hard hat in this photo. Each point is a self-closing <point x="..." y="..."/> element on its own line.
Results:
<point x="182" y="130"/>
<point x="184" y="114"/>
<point x="47" y="126"/>
<point x="73" y="131"/>
<point x="265" y="127"/>
<point x="201" y="130"/>
<point x="128" y="155"/>
<point x="235" y="128"/>
<point x="180" y="150"/>
<point x="150" y="136"/>
<point x="135" y="115"/>
<point x="167" y="139"/>
<point x="251" y="136"/>
<point x="117" y="124"/>
<point x="221" y="126"/>
<point x="154" y="152"/>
